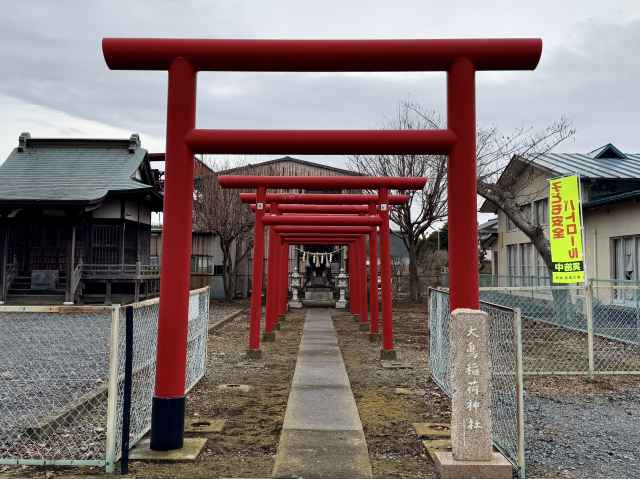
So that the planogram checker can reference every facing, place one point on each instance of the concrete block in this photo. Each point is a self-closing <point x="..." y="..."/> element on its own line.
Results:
<point x="388" y="355"/>
<point x="243" y="388"/>
<point x="192" y="448"/>
<point x="431" y="446"/>
<point x="203" y="424"/>
<point x="495" y="468"/>
<point x="323" y="455"/>
<point x="322" y="408"/>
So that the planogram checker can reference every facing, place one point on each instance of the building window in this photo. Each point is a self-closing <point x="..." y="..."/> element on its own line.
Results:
<point x="625" y="253"/>
<point x="526" y="211"/>
<point x="218" y="270"/>
<point x="512" y="263"/>
<point x="201" y="263"/>
<point x="542" y="211"/>
<point x="626" y="266"/>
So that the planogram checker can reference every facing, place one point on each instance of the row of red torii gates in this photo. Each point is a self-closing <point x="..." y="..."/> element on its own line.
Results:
<point x="316" y="219"/>
<point x="183" y="59"/>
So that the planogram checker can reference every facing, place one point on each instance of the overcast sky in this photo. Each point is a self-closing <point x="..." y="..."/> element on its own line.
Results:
<point x="54" y="82"/>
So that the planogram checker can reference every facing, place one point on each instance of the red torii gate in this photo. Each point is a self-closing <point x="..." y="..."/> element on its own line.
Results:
<point x="183" y="58"/>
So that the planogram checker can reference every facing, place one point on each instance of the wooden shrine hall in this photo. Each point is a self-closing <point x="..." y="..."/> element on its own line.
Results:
<point x="75" y="221"/>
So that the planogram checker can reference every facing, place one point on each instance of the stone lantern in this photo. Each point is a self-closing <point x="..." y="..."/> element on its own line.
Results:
<point x="295" y="280"/>
<point x="342" y="287"/>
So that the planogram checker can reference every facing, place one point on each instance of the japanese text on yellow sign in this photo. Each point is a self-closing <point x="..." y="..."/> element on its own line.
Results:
<point x="565" y="230"/>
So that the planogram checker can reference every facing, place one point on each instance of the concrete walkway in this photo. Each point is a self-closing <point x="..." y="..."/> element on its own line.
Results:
<point x="322" y="434"/>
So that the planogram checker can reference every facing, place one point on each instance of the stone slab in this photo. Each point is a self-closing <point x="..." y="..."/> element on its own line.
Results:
<point x="470" y="385"/>
<point x="448" y="468"/>
<point x="320" y="374"/>
<point x="431" y="446"/>
<point x="322" y="408"/>
<point x="395" y="365"/>
<point x="203" y="424"/>
<point x="192" y="448"/>
<point x="432" y="429"/>
<point x="320" y="347"/>
<point x="323" y="455"/>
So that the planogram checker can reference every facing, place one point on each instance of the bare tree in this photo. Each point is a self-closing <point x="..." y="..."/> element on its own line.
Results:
<point x="425" y="207"/>
<point x="494" y="153"/>
<point x="219" y="211"/>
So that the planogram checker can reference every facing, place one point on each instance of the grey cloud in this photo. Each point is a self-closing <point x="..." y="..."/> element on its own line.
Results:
<point x="52" y="57"/>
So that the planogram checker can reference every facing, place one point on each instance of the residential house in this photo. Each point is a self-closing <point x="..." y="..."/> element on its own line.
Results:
<point x="610" y="184"/>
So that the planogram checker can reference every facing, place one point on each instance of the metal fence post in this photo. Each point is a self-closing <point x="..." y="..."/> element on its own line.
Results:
<point x="520" y="393"/>
<point x="126" y="399"/>
<point x="589" y="305"/>
<point x="112" y="394"/>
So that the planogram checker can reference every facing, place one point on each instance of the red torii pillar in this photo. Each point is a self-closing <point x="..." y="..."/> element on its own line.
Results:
<point x="373" y="273"/>
<point x="182" y="58"/>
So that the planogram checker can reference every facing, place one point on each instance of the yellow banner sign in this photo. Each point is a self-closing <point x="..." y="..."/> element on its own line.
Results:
<point x="565" y="230"/>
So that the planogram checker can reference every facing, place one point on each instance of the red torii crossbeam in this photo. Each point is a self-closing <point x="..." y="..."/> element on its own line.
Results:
<point x="323" y="198"/>
<point x="183" y="58"/>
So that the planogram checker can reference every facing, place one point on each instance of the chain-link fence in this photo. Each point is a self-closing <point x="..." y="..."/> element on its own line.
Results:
<point x="62" y="375"/>
<point x="591" y="329"/>
<point x="401" y="286"/>
<point x="505" y="355"/>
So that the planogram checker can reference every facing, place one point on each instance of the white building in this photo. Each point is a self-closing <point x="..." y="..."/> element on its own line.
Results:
<point x="610" y="181"/>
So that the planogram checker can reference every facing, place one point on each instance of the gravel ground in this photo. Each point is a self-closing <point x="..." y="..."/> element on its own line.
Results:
<point x="219" y="310"/>
<point x="577" y="428"/>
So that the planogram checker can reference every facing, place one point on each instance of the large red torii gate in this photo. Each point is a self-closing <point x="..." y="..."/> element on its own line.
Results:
<point x="183" y="58"/>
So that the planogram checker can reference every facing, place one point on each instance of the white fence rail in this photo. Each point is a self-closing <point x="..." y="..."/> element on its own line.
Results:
<point x="62" y="375"/>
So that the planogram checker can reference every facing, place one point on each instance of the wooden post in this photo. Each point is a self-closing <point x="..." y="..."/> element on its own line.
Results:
<point x="69" y="296"/>
<point x="124" y="227"/>
<point x="3" y="259"/>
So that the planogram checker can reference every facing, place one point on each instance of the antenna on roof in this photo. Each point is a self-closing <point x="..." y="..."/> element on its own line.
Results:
<point x="22" y="140"/>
